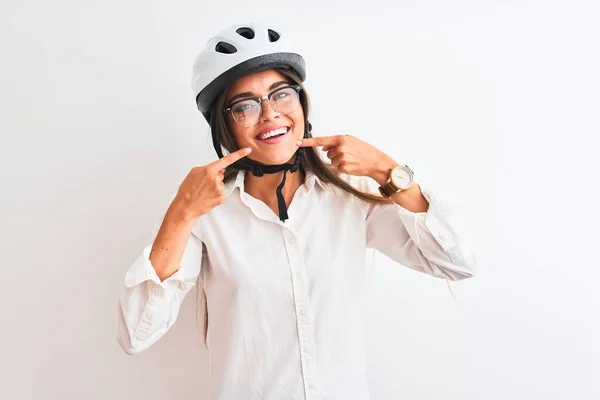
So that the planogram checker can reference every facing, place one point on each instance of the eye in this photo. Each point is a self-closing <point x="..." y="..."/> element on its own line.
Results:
<point x="282" y="94"/>
<point x="243" y="106"/>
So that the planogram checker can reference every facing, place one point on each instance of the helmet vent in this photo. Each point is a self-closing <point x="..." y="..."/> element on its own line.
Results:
<point x="246" y="32"/>
<point x="225" y="48"/>
<point x="273" y="36"/>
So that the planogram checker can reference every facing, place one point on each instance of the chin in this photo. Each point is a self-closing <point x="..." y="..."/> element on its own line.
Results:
<point x="275" y="157"/>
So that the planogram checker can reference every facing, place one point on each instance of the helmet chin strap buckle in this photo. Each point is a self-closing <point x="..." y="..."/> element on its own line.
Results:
<point x="296" y="164"/>
<point x="256" y="170"/>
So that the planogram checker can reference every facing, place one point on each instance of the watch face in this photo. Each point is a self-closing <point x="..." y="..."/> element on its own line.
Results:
<point x="402" y="177"/>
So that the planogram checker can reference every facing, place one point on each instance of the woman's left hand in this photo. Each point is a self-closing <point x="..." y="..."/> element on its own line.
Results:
<point x="352" y="156"/>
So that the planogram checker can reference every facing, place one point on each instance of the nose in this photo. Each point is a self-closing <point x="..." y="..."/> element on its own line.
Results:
<point x="267" y="111"/>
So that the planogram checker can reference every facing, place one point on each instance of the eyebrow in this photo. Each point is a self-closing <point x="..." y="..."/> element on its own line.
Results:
<point x="250" y="94"/>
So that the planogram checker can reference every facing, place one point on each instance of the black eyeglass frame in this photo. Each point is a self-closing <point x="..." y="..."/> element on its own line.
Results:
<point x="259" y="100"/>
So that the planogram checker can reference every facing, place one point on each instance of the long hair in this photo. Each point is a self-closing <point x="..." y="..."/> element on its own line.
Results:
<point x="311" y="160"/>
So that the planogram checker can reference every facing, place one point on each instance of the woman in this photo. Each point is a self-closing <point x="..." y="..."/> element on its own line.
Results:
<point x="276" y="238"/>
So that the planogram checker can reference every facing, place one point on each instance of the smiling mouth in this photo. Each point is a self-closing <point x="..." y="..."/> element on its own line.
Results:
<point x="275" y="133"/>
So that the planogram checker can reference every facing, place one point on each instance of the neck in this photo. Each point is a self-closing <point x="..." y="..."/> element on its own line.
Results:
<point x="263" y="187"/>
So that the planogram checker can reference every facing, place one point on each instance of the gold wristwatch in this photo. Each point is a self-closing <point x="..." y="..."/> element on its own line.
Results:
<point x="401" y="178"/>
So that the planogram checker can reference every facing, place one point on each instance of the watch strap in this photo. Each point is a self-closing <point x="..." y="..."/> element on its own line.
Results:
<point x="388" y="189"/>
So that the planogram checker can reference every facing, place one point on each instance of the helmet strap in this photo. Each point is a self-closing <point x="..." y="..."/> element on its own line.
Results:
<point x="259" y="170"/>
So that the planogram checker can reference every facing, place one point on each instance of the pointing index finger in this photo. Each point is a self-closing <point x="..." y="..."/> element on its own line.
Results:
<point x="232" y="157"/>
<point x="319" y="141"/>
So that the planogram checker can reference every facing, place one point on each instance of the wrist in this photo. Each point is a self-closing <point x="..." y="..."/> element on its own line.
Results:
<point x="381" y="174"/>
<point x="179" y="212"/>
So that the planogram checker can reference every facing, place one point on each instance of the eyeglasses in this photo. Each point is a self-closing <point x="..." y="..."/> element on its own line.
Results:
<point x="247" y="112"/>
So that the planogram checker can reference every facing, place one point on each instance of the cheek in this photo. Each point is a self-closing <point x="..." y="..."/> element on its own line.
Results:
<point x="298" y="121"/>
<point x="240" y="135"/>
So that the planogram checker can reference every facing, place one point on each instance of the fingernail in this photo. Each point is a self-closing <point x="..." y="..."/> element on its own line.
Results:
<point x="299" y="142"/>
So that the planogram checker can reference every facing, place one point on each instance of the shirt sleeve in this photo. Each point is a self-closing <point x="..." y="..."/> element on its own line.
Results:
<point x="148" y="307"/>
<point x="435" y="242"/>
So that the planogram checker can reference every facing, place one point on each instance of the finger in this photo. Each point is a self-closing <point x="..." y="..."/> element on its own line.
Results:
<point x="327" y="147"/>
<point x="339" y="160"/>
<point x="331" y="154"/>
<point x="319" y="141"/>
<point x="232" y="157"/>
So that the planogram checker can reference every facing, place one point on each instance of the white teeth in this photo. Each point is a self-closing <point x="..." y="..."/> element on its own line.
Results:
<point x="272" y="133"/>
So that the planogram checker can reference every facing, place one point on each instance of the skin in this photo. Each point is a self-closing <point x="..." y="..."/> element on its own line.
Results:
<point x="263" y="188"/>
<point x="348" y="154"/>
<point x="202" y="189"/>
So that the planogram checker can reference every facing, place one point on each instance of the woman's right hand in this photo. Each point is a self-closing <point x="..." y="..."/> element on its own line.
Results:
<point x="202" y="188"/>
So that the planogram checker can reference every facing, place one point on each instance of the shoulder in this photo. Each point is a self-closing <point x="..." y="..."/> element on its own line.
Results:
<point x="363" y="184"/>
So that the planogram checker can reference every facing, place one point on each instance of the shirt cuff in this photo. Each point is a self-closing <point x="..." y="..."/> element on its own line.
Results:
<point x="437" y="221"/>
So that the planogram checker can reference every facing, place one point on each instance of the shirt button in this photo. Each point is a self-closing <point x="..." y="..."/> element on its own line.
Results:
<point x="298" y="275"/>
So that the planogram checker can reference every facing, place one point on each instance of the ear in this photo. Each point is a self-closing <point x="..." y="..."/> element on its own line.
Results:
<point x="308" y="130"/>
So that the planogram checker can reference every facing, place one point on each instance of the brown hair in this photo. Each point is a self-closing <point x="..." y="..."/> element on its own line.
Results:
<point x="311" y="162"/>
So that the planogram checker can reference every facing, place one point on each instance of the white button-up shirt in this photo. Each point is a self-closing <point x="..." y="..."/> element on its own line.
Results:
<point x="286" y="300"/>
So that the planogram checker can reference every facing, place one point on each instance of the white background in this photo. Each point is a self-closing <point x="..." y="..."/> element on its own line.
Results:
<point x="495" y="103"/>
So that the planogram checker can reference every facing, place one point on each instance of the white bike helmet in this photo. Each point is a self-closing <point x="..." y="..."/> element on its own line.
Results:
<point x="237" y="51"/>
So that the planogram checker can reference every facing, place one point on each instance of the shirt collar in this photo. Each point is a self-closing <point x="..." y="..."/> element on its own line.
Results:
<point x="311" y="179"/>
<point x="238" y="182"/>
